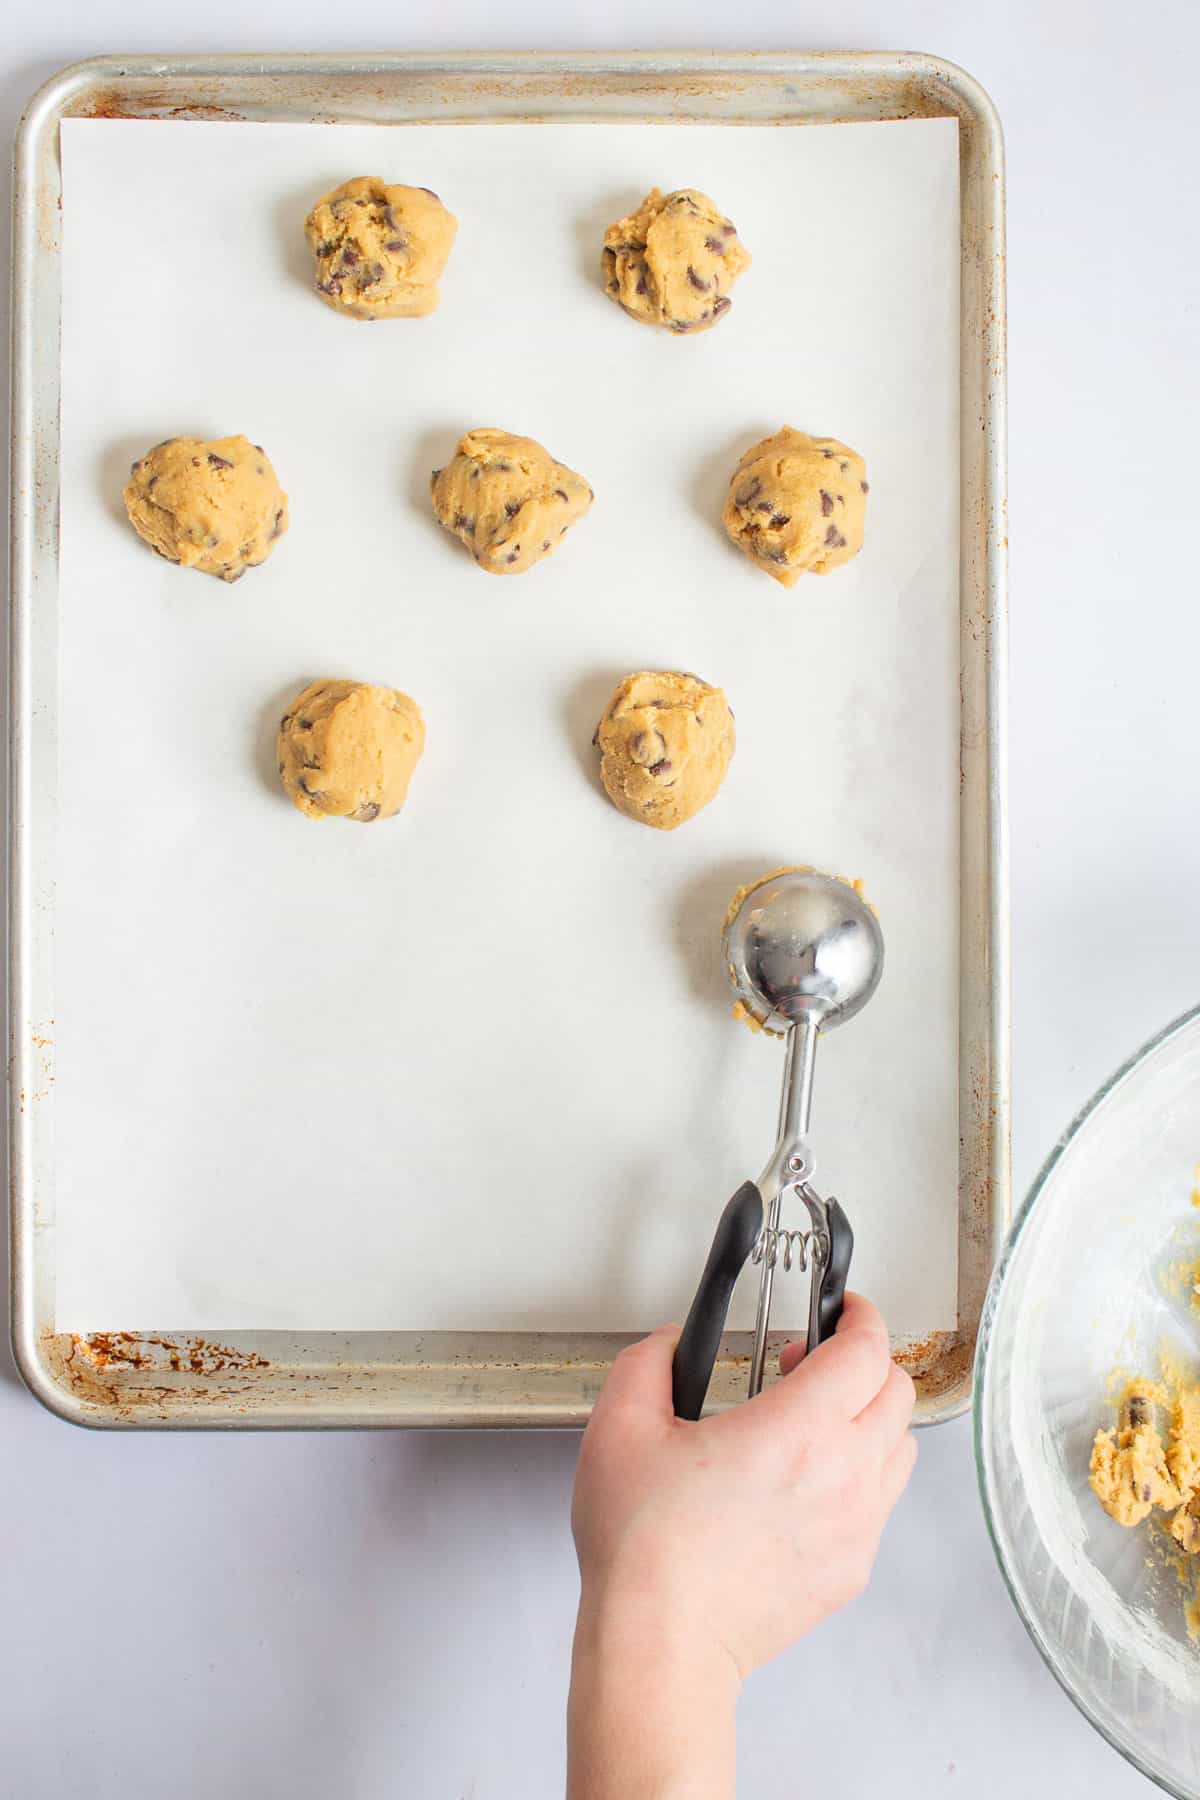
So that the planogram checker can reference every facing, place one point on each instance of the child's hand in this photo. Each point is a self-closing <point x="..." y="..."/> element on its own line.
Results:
<point x="737" y="1534"/>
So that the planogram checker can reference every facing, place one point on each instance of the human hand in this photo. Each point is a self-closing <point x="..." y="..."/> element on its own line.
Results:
<point x="737" y="1534"/>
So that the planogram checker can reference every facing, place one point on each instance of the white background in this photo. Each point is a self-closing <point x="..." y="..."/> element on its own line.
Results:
<point x="368" y="1617"/>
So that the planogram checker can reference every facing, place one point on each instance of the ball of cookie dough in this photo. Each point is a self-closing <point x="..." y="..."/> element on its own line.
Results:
<point x="797" y="505"/>
<point x="380" y="250"/>
<point x="665" y="742"/>
<point x="507" y="499"/>
<point x="347" y="750"/>
<point x="674" y="260"/>
<point x="214" y="505"/>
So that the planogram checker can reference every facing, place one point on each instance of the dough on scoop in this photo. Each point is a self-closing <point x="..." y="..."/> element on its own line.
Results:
<point x="665" y="742"/>
<point x="798" y="504"/>
<point x="507" y="499"/>
<point x="212" y="505"/>
<point x="673" y="261"/>
<point x="380" y="250"/>
<point x="347" y="750"/>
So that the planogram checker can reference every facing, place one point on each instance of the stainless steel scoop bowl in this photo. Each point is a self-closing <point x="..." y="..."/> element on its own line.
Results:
<point x="804" y="952"/>
<point x="802" y="945"/>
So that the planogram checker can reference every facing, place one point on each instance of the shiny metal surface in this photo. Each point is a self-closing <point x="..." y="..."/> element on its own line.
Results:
<point x="148" y="1376"/>
<point x="804" y="953"/>
<point x="803" y="946"/>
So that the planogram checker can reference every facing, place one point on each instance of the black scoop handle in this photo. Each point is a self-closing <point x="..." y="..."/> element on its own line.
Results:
<point x="829" y="1293"/>
<point x="696" y="1351"/>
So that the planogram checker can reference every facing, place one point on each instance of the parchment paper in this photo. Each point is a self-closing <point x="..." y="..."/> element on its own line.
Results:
<point x="474" y="1067"/>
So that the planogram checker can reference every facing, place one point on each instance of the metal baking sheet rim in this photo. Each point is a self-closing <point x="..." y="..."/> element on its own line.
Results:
<point x="274" y="1380"/>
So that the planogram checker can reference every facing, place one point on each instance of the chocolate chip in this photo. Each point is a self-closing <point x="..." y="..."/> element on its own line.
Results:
<point x="721" y="306"/>
<point x="153" y="479"/>
<point x="281" y="768"/>
<point x="504" y="467"/>
<point x="715" y="244"/>
<point x="698" y="282"/>
<point x="777" y="556"/>
<point x="512" y="508"/>
<point x="512" y="556"/>
<point x="396" y="245"/>
<point x="764" y="506"/>
<point x="596" y="738"/>
<point x="277" y="528"/>
<point x="259" y="469"/>
<point x="370" y="276"/>
<point x="332" y="287"/>
<point x="285" y="721"/>
<point x="1146" y="1491"/>
<point x="304" y="724"/>
<point x="462" y="522"/>
<point x="826" y="504"/>
<point x="260" y="449"/>
<point x="843" y="465"/>
<point x="643" y="286"/>
<point x="475" y="472"/>
<point x="661" y="768"/>
<point x="134" y="467"/>
<point x="1138" y="1410"/>
<point x="327" y="248"/>
<point x="834" y="538"/>
<point x="431" y="194"/>
<point x="435" y="475"/>
<point x="828" y="453"/>
<point x="349" y="255"/>
<point x="864" y="487"/>
<point x="546" y="545"/>
<point x="390" y="219"/>
<point x="561" y="493"/>
<point x="212" y="542"/>
<point x="728" y="226"/>
<point x="591" y="493"/>
<point x="366" y="812"/>
<point x="745" y="495"/>
<point x="236" y="576"/>
<point x="779" y="519"/>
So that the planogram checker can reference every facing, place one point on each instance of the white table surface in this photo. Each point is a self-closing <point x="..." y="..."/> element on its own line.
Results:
<point x="356" y="1617"/>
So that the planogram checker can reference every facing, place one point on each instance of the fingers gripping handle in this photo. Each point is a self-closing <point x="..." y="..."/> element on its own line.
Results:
<point x="696" y="1351"/>
<point x="829" y="1284"/>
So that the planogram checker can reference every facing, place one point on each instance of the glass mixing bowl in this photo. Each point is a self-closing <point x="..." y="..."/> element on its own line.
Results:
<point x="1083" y="1289"/>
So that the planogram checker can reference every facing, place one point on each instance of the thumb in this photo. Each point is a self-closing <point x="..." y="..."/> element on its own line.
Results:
<point x="640" y="1378"/>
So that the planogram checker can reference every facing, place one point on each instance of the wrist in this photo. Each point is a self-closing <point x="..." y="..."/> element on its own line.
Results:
<point x="633" y="1627"/>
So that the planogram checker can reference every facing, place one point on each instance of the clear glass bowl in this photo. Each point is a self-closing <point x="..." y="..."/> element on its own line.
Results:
<point x="1078" y="1294"/>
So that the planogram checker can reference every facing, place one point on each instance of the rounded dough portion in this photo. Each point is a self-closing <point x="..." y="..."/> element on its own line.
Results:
<point x="741" y="1010"/>
<point x="673" y="261"/>
<point x="347" y="750"/>
<point x="507" y="499"/>
<point x="210" y="504"/>
<point x="665" y="742"/>
<point x="380" y="250"/>
<point x="797" y="505"/>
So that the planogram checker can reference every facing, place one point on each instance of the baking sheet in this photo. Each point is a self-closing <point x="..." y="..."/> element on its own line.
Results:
<point x="475" y="1069"/>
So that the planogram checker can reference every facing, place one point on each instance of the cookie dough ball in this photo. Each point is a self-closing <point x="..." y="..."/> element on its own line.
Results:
<point x="665" y="742"/>
<point x="797" y="505"/>
<point x="507" y="499"/>
<point x="741" y="1010"/>
<point x="347" y="750"/>
<point x="212" y="505"/>
<point x="380" y="250"/>
<point x="674" y="260"/>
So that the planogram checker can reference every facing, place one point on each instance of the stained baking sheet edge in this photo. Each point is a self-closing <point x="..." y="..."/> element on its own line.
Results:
<point x="277" y="1380"/>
